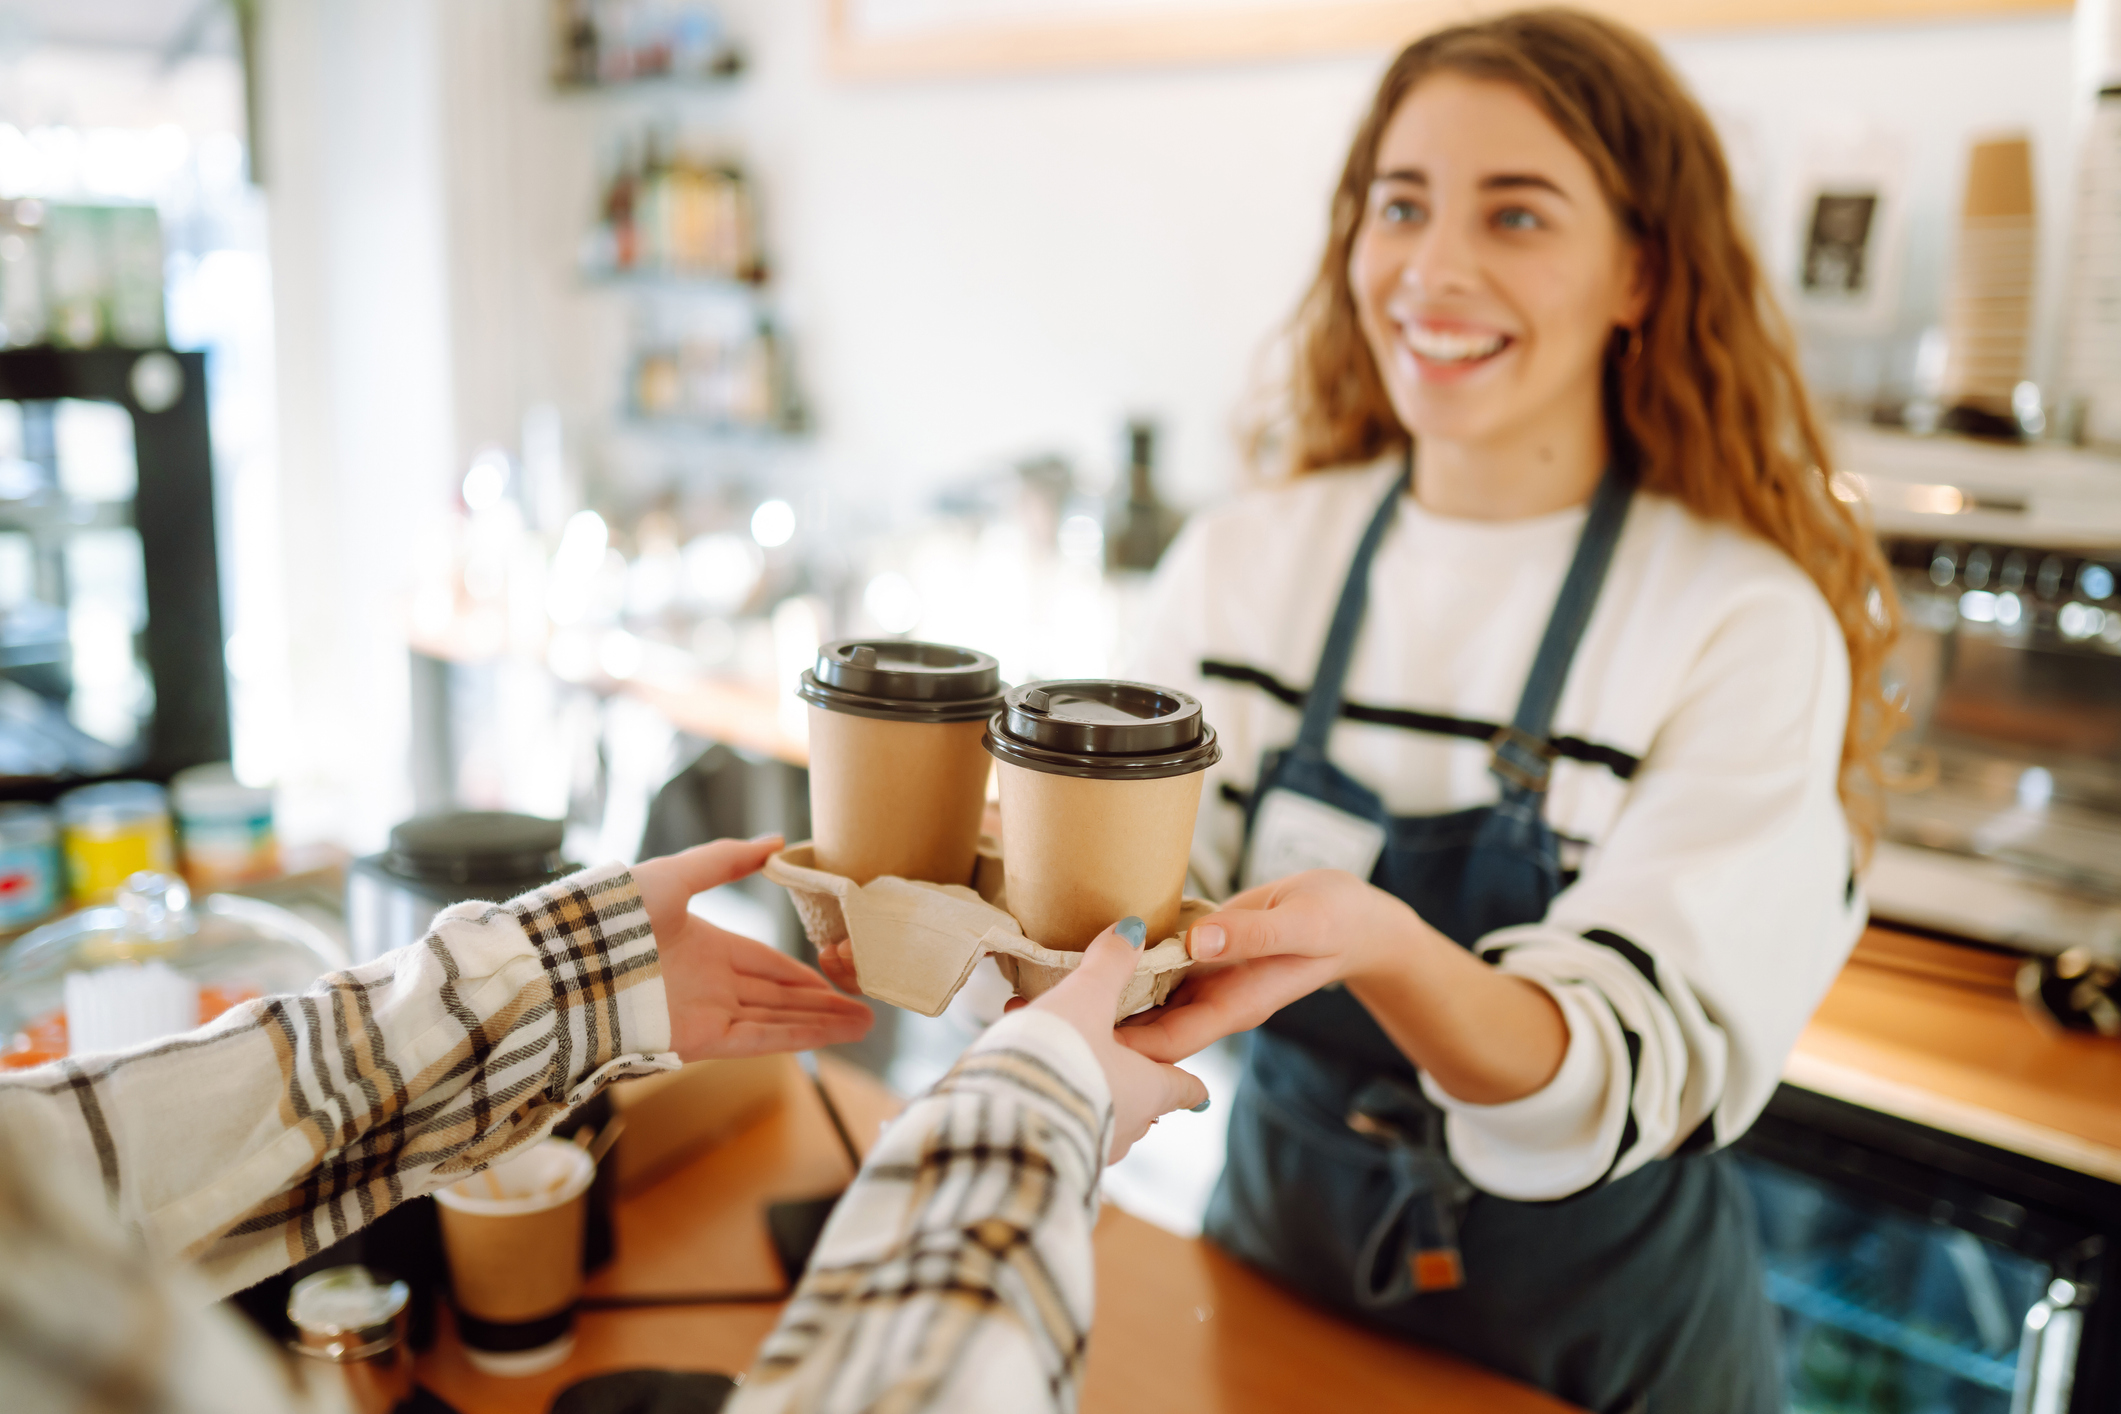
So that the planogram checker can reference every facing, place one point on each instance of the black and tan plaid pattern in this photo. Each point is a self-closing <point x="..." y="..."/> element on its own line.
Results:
<point x="956" y="1273"/>
<point x="292" y="1121"/>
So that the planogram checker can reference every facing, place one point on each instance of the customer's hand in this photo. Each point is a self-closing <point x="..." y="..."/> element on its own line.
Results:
<point x="836" y="960"/>
<point x="1142" y="1090"/>
<point x="1269" y="946"/>
<point x="730" y="995"/>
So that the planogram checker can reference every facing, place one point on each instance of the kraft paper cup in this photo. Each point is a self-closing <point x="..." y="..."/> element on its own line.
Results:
<point x="1100" y="784"/>
<point x="898" y="776"/>
<point x="902" y="798"/>
<point x="513" y="1235"/>
<point x="1082" y="854"/>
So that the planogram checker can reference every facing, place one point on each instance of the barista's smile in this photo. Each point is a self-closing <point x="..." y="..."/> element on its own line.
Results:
<point x="1441" y="347"/>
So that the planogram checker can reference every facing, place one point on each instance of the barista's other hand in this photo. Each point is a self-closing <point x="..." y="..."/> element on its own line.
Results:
<point x="730" y="995"/>
<point x="1142" y="1090"/>
<point x="1267" y="947"/>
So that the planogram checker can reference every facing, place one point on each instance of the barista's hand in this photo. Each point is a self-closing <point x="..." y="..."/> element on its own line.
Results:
<point x="1267" y="947"/>
<point x="730" y="995"/>
<point x="1142" y="1090"/>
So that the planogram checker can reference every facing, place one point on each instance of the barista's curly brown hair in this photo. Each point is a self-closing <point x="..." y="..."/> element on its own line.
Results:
<point x="1712" y="407"/>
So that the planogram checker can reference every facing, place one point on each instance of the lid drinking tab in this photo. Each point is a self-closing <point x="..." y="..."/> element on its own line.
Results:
<point x="903" y="680"/>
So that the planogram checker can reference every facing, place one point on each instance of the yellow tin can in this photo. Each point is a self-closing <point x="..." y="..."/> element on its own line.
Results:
<point x="112" y="831"/>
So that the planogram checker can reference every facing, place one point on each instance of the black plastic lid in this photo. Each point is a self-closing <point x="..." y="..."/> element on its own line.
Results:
<point x="903" y="681"/>
<point x="476" y="847"/>
<point x="1103" y="729"/>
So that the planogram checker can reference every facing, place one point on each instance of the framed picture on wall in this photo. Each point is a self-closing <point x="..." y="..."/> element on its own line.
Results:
<point x="1843" y="235"/>
<point x="881" y="39"/>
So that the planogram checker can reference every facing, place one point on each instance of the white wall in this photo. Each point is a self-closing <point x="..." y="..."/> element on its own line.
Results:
<point x="975" y="268"/>
<point x="984" y="266"/>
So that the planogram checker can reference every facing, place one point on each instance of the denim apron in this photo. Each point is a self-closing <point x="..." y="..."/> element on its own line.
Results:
<point x="1641" y="1294"/>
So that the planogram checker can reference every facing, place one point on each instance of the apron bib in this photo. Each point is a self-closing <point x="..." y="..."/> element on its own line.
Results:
<point x="1641" y="1294"/>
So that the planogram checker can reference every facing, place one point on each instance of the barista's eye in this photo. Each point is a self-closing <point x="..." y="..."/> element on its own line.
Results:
<point x="1517" y="218"/>
<point x="1403" y="210"/>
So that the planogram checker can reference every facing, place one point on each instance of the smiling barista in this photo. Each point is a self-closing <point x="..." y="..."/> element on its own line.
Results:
<point x="1546" y="690"/>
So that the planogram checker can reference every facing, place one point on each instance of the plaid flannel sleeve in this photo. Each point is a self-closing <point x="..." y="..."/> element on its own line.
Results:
<point x="955" y="1275"/>
<point x="292" y="1121"/>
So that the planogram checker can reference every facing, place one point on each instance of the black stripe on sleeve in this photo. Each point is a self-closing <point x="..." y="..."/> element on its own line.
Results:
<point x="1631" y="1131"/>
<point x="1620" y="763"/>
<point x="1703" y="1137"/>
<point x="1701" y="1140"/>
<point x="1638" y="959"/>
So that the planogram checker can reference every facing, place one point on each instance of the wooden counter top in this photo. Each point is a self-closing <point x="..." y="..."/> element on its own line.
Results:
<point x="1933" y="1033"/>
<point x="1179" y="1327"/>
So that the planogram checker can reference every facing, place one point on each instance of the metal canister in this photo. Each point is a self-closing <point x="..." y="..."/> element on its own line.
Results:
<point x="112" y="832"/>
<point x="344" y="1317"/>
<point x="29" y="865"/>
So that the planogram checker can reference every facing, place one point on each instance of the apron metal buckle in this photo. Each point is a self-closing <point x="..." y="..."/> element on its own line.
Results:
<point x="1520" y="758"/>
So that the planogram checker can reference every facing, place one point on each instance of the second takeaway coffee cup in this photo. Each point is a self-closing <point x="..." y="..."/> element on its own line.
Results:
<point x="898" y="779"/>
<point x="514" y="1238"/>
<point x="1100" y="782"/>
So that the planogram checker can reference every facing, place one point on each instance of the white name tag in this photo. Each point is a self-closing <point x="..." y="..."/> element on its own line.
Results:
<point x="1294" y="832"/>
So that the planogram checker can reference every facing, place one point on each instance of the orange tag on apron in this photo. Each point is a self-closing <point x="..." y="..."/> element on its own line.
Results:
<point x="1437" y="1269"/>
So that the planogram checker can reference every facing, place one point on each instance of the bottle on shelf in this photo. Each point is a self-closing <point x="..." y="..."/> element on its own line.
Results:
<point x="607" y="43"/>
<point x="1139" y="526"/>
<point x="677" y="214"/>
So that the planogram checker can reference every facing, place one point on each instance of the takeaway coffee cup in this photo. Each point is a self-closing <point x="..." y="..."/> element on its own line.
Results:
<point x="898" y="779"/>
<point x="1100" y="782"/>
<point x="514" y="1239"/>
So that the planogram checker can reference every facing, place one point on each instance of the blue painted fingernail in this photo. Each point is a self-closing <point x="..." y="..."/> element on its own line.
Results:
<point x="1196" y="1109"/>
<point x="1132" y="929"/>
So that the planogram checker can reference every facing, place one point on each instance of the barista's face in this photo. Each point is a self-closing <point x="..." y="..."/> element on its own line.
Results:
<point x="1489" y="272"/>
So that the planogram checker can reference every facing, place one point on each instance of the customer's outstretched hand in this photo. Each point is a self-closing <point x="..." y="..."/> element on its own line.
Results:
<point x="1142" y="1090"/>
<point x="731" y="995"/>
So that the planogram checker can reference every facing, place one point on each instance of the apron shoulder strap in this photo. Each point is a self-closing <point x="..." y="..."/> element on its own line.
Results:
<point x="1521" y="754"/>
<point x="1322" y="702"/>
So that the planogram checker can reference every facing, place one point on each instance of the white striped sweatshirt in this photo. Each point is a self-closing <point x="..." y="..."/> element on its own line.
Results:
<point x="1701" y="728"/>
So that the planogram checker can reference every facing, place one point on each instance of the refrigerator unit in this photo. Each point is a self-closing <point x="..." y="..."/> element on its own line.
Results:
<point x="1915" y="1272"/>
<point x="111" y="648"/>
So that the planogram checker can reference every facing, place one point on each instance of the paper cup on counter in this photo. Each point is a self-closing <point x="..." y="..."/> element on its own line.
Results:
<point x="1100" y="783"/>
<point x="898" y="778"/>
<point x="513" y="1235"/>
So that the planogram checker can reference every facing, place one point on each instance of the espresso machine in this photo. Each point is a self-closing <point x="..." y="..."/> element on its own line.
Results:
<point x="2003" y="815"/>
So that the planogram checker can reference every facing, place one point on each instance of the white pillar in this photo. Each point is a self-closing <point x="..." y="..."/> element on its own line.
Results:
<point x="352" y="131"/>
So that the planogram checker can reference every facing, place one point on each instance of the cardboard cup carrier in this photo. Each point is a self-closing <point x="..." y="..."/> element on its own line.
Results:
<point x="898" y="779"/>
<point x="513" y="1235"/>
<point x="1105" y="831"/>
<point x="915" y="943"/>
